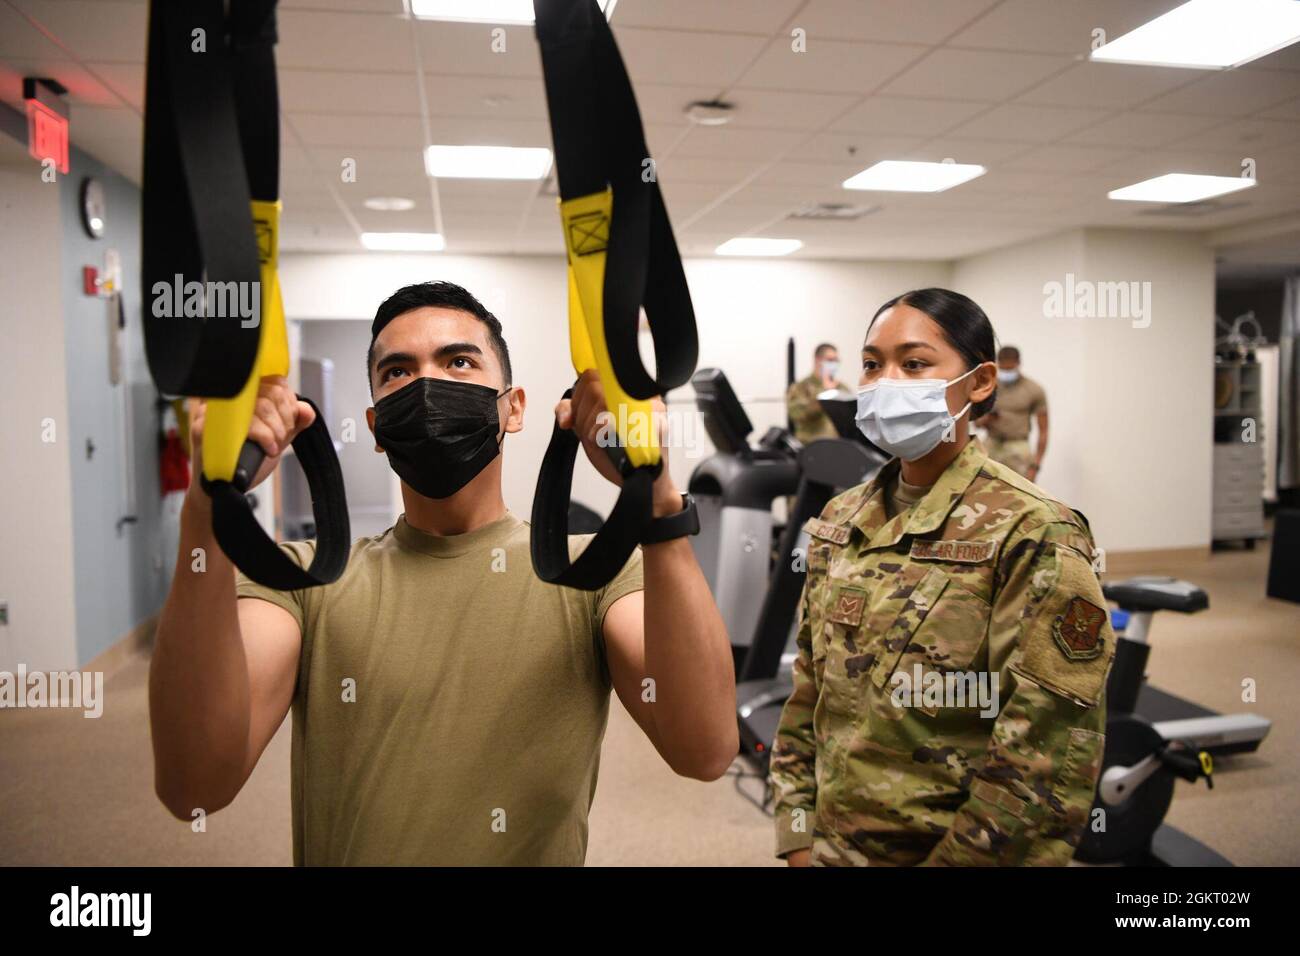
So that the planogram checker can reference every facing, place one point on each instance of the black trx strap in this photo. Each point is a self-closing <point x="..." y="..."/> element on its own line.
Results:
<point x="211" y="215"/>
<point x="621" y="256"/>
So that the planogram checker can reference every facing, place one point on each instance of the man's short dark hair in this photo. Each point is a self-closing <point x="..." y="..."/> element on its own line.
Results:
<point x="823" y="349"/>
<point x="1009" y="353"/>
<point x="445" y="295"/>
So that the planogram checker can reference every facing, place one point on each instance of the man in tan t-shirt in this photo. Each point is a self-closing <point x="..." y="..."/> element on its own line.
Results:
<point x="448" y="706"/>
<point x="1019" y="400"/>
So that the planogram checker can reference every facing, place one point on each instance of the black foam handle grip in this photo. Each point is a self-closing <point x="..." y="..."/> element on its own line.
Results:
<point x="251" y="457"/>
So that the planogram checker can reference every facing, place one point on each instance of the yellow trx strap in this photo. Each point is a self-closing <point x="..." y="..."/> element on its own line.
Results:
<point x="586" y="222"/>
<point x="226" y="424"/>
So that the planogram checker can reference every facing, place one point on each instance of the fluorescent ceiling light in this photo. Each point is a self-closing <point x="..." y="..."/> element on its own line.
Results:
<point x="403" y="241"/>
<point x="900" y="176"/>
<point x="485" y="11"/>
<point x="748" y="246"/>
<point x="1208" y="34"/>
<point x="390" y="203"/>
<point x="487" y="162"/>
<point x="1181" y="187"/>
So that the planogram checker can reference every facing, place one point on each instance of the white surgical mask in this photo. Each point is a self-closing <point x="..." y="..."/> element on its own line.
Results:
<point x="1008" y="375"/>
<point x="830" y="369"/>
<point x="907" y="417"/>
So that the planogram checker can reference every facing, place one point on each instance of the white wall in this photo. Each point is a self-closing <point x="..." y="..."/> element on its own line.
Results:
<point x="36" y="569"/>
<point x="1150" y="398"/>
<point x="1008" y="285"/>
<point x="746" y="309"/>
<point x="1131" y="407"/>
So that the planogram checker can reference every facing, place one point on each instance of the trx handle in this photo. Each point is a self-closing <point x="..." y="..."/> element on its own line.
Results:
<point x="212" y="212"/>
<point x="600" y="145"/>
<point x="241" y="536"/>
<point x="621" y="256"/>
<point x="605" y="555"/>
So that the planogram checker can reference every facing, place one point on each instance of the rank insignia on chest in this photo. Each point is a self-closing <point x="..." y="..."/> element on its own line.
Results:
<point x="966" y="552"/>
<point x="847" y="605"/>
<point x="1078" y="630"/>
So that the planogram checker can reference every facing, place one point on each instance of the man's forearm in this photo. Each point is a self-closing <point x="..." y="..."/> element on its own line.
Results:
<point x="688" y="654"/>
<point x="199" y="707"/>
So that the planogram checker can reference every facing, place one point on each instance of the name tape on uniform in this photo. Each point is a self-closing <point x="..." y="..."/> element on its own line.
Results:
<point x="827" y="531"/>
<point x="969" y="552"/>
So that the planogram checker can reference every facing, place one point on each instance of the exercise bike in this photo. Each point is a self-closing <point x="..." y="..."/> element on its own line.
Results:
<point x="1144" y="758"/>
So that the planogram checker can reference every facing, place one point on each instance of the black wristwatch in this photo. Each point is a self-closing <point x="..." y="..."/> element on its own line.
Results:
<point x="685" y="522"/>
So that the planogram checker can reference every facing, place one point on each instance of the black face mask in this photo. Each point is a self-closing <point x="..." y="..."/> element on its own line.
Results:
<point x="438" y="433"/>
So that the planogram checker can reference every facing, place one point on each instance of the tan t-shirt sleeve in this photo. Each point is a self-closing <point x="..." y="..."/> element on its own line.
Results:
<point x="295" y="602"/>
<point x="625" y="582"/>
<point x="1038" y="403"/>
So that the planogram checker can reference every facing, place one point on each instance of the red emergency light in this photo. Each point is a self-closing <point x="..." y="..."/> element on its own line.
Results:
<point x="47" y="121"/>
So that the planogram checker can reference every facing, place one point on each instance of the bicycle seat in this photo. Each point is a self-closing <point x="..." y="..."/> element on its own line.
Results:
<point x="1152" y="593"/>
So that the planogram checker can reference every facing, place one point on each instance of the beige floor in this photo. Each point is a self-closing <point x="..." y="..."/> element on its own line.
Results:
<point x="78" y="792"/>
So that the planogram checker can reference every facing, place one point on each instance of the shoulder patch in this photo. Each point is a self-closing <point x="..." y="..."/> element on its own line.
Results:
<point x="1078" y="630"/>
<point x="967" y="552"/>
<point x="1067" y="645"/>
<point x="837" y="534"/>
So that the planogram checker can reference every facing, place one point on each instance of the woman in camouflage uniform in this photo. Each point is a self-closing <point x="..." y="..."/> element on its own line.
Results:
<point x="948" y="703"/>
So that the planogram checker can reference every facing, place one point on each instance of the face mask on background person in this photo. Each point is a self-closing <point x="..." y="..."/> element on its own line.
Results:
<point x="1008" y="375"/>
<point x="907" y="417"/>
<point x="830" y="368"/>
<point x="439" y="433"/>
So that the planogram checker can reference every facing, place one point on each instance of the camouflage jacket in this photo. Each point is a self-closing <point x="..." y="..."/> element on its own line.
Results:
<point x="810" y="422"/>
<point x="985" y="577"/>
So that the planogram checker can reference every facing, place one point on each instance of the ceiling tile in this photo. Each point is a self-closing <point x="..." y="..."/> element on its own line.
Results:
<point x="723" y="142"/>
<point x="716" y="16"/>
<point x="478" y="49"/>
<point x="860" y="149"/>
<point x="830" y="66"/>
<point x="677" y="56"/>
<point x="916" y="117"/>
<point x="1246" y="136"/>
<point x="126" y="80"/>
<point x="776" y="109"/>
<point x="1139" y="130"/>
<point x="91" y="29"/>
<point x="1068" y="158"/>
<point x="974" y="75"/>
<point x="1014" y="123"/>
<point x="489" y="97"/>
<point x="353" y="129"/>
<point x="1229" y="93"/>
<point x="343" y="41"/>
<point x="1060" y="26"/>
<point x="917" y="21"/>
<point x="1115" y="85"/>
<point x="341" y="91"/>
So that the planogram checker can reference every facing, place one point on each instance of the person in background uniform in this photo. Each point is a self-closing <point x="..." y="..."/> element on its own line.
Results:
<point x="946" y="570"/>
<point x="810" y="422"/>
<point x="1019" y="400"/>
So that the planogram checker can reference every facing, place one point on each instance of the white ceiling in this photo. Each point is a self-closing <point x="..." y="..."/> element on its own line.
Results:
<point x="1004" y="83"/>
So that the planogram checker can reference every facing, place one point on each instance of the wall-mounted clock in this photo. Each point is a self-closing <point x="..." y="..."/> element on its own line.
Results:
<point x="92" y="207"/>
